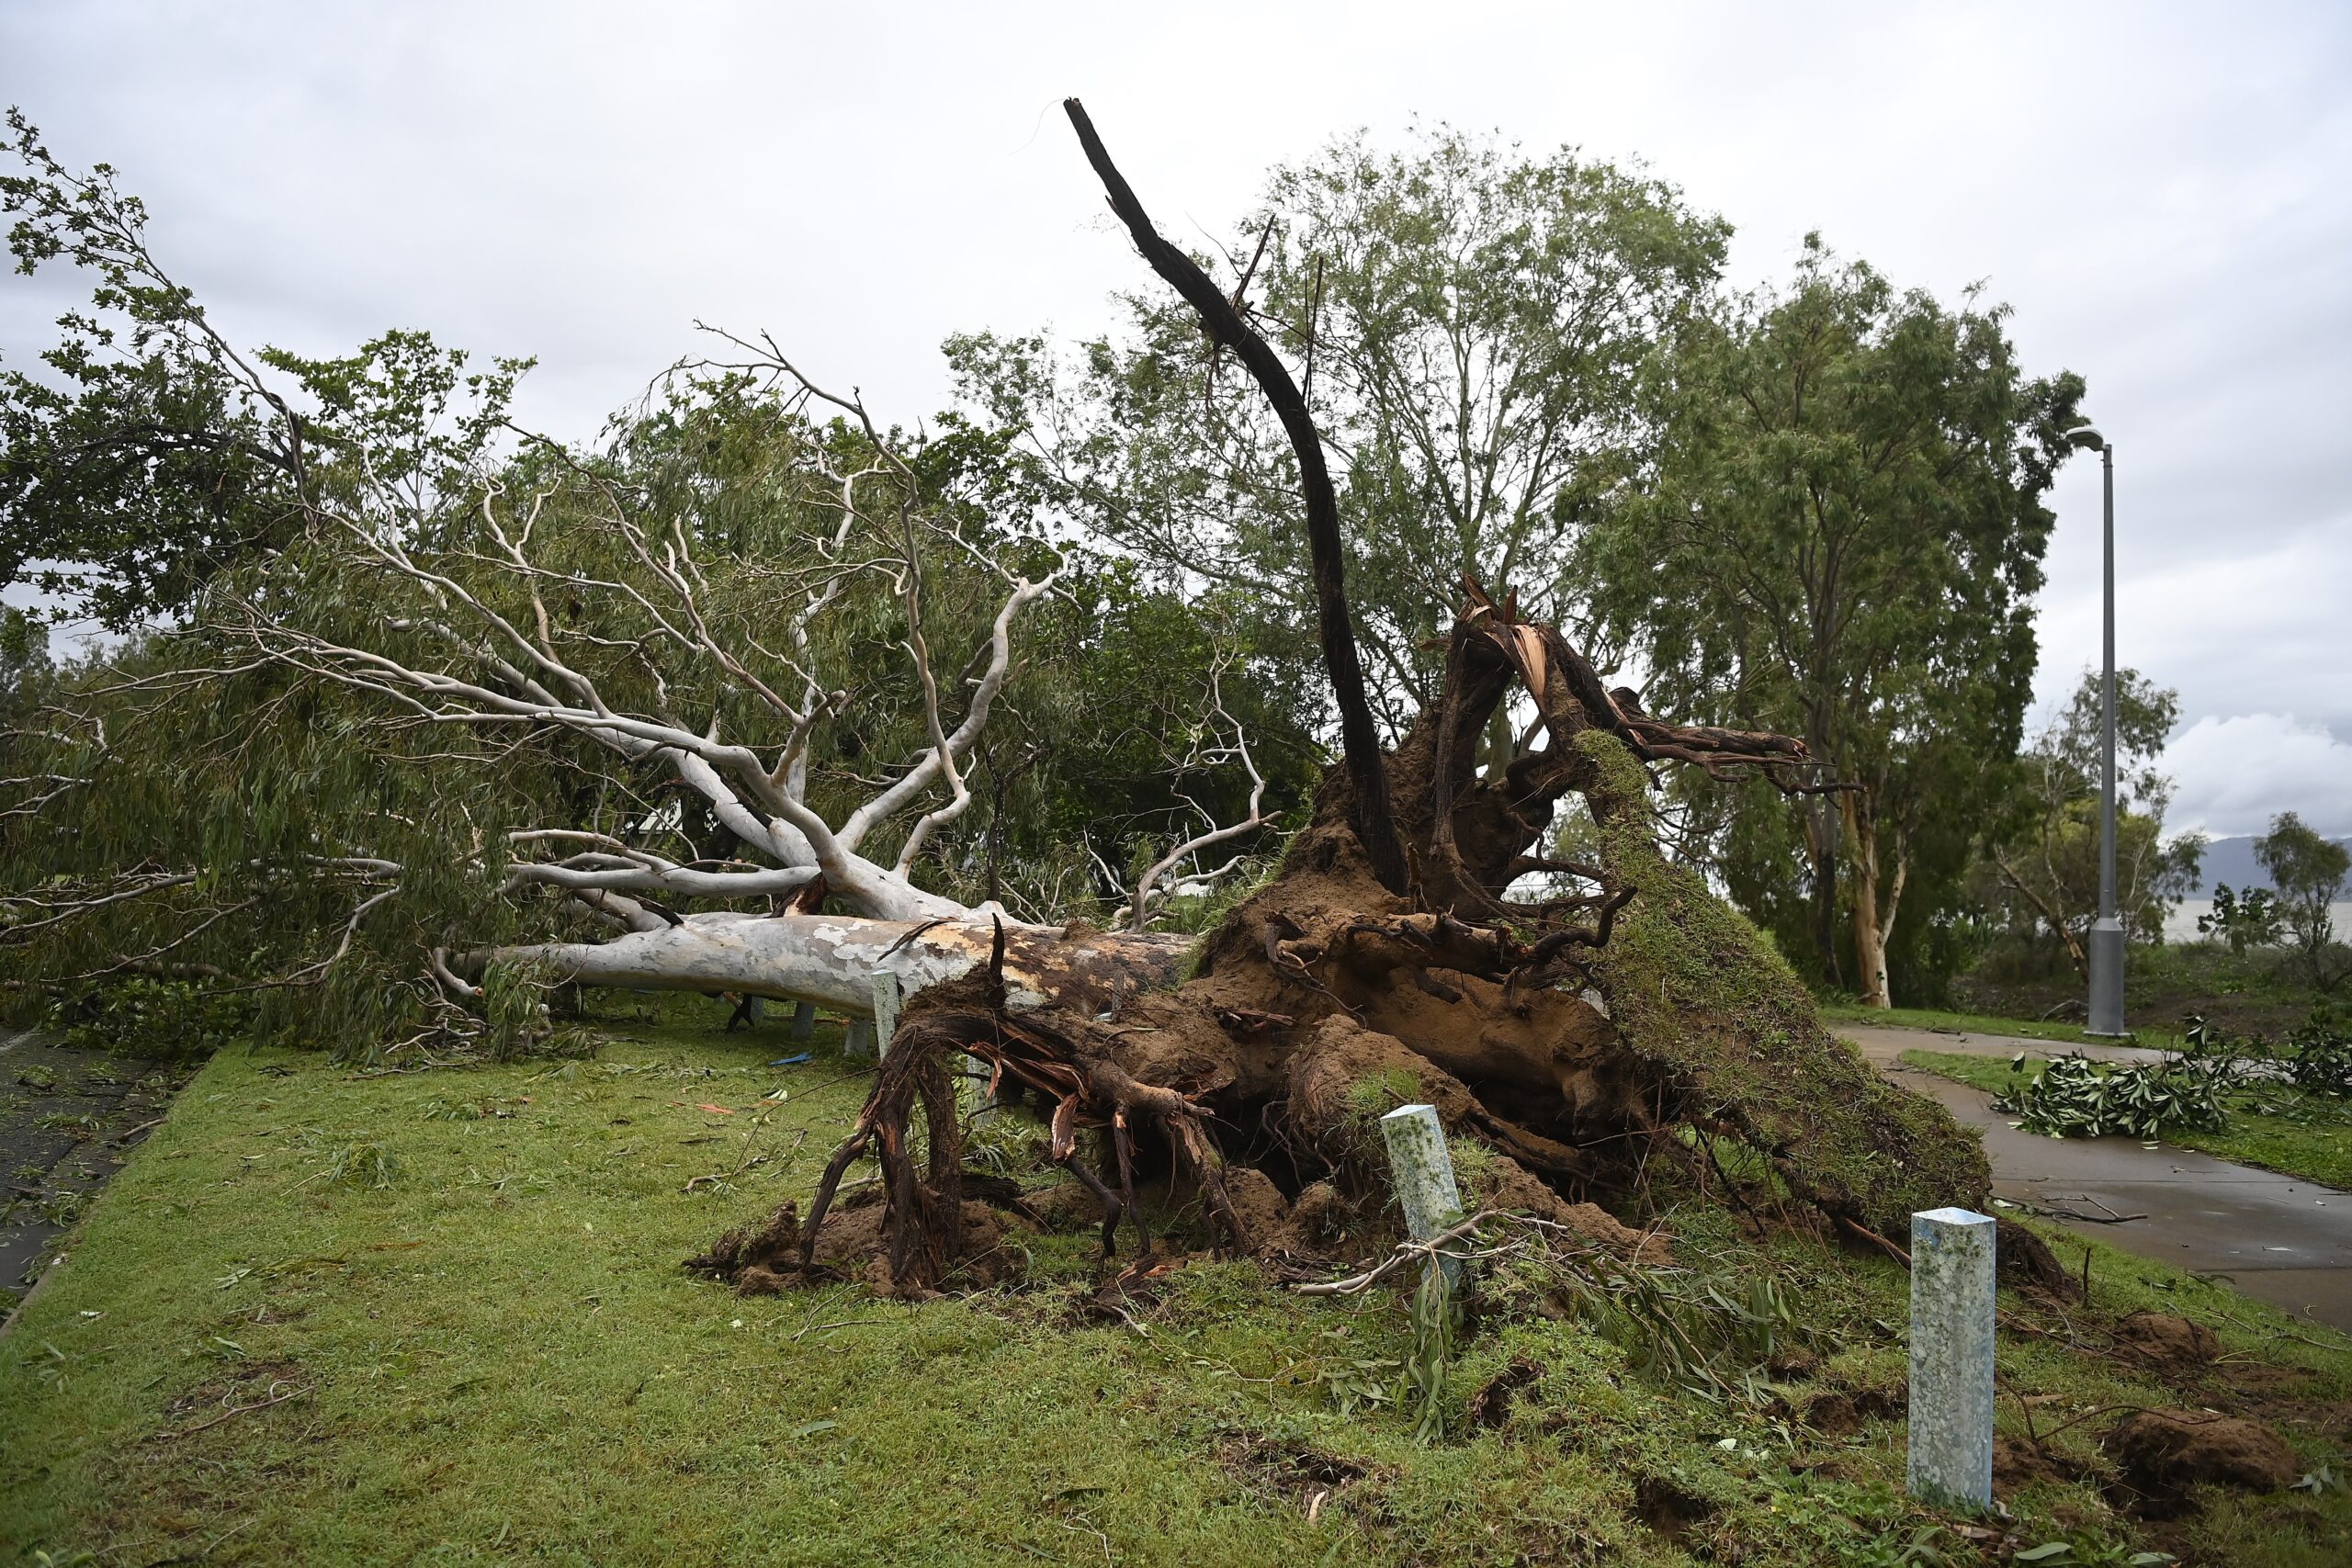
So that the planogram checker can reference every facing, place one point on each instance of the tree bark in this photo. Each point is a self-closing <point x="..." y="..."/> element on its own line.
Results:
<point x="1821" y="830"/>
<point x="2049" y="915"/>
<point x="1874" y="921"/>
<point x="831" y="960"/>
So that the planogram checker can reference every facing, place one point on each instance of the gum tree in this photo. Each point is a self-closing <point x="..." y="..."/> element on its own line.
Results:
<point x="2309" y="873"/>
<point x="1471" y="324"/>
<point x="1844" y="542"/>
<point x="2047" y="866"/>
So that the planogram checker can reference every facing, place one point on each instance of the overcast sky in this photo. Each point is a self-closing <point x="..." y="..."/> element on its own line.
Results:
<point x="2164" y="195"/>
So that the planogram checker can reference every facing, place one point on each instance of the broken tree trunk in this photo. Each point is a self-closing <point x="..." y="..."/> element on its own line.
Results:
<point x="830" y="959"/>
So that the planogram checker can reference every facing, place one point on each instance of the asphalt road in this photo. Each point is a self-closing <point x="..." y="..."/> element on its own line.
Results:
<point x="2280" y="1238"/>
<point x="68" y="1119"/>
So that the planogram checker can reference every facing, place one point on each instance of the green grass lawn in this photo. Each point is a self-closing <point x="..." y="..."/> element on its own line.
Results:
<point x="2305" y="1135"/>
<point x="1984" y="1023"/>
<point x="324" y="1318"/>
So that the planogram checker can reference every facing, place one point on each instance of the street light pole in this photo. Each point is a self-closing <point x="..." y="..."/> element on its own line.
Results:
<point x="2107" y="933"/>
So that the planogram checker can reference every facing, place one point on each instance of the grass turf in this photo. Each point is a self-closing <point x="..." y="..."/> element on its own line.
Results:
<point x="2298" y="1134"/>
<point x="1944" y="1022"/>
<point x="438" y="1317"/>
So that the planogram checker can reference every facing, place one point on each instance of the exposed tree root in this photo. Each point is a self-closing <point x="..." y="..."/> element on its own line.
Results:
<point x="1569" y="1047"/>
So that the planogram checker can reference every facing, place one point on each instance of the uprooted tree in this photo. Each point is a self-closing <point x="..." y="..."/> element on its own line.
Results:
<point x="548" y="690"/>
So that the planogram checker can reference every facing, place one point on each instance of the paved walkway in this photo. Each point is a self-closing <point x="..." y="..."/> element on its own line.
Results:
<point x="2277" y="1238"/>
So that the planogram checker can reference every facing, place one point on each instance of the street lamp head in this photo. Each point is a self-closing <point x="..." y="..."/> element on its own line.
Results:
<point x="2086" y="439"/>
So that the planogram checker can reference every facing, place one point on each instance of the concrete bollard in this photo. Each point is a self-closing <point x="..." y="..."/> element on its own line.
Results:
<point x="857" y="1044"/>
<point x="804" y="1020"/>
<point x="1422" y="1173"/>
<point x="1952" y="1356"/>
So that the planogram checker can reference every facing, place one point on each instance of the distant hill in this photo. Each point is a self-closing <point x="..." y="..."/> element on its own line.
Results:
<point x="2231" y="860"/>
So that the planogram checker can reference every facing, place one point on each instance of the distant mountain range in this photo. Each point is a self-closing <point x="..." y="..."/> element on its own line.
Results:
<point x="2231" y="860"/>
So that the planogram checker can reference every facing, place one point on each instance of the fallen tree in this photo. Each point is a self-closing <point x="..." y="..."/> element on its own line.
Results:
<point x="1569" y="1035"/>
<point x="1619" y="1017"/>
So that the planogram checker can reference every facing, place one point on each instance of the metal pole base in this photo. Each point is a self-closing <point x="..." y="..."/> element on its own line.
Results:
<point x="2107" y="978"/>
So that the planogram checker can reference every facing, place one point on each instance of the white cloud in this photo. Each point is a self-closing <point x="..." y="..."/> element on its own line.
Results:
<point x="2237" y="774"/>
<point x="2257" y="623"/>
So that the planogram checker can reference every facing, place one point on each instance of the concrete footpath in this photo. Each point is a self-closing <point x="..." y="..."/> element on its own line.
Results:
<point x="2280" y="1238"/>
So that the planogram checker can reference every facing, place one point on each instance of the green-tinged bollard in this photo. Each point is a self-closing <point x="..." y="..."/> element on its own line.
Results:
<point x="804" y="1020"/>
<point x="1422" y="1173"/>
<point x="1951" y="1358"/>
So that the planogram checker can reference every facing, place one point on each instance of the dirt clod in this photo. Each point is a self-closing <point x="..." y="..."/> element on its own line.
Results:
<point x="1833" y="1414"/>
<point x="2167" y="1340"/>
<point x="2021" y="1258"/>
<point x="2018" y="1463"/>
<point x="765" y="1260"/>
<point x="1308" y="1477"/>
<point x="1490" y="1406"/>
<point x="1667" y="1508"/>
<point x="2161" y="1453"/>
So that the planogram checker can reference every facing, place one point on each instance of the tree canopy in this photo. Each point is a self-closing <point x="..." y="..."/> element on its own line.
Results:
<point x="1843" y="540"/>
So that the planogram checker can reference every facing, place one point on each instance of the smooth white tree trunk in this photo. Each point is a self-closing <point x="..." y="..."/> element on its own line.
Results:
<point x="831" y="960"/>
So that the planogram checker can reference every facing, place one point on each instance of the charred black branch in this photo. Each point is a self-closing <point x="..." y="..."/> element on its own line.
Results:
<point x="1360" y="740"/>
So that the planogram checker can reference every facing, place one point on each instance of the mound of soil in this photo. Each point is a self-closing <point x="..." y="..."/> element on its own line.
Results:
<point x="1490" y="1406"/>
<point x="1832" y="1414"/>
<point x="2168" y="1341"/>
<point x="765" y="1260"/>
<point x="1670" y="1509"/>
<point x="1307" y="1477"/>
<point x="2023" y="1260"/>
<point x="2018" y="1463"/>
<point x="2161" y="1453"/>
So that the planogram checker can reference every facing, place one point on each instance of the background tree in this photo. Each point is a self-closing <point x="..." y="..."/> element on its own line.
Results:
<point x="1844" y="542"/>
<point x="1472" y="325"/>
<point x="2244" y="920"/>
<point x="150" y="452"/>
<point x="2309" y="873"/>
<point x="2046" y="859"/>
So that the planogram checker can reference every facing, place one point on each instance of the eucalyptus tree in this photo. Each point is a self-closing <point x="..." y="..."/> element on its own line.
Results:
<point x="2046" y="859"/>
<point x="1844" y="540"/>
<point x="628" y="676"/>
<point x="2308" y="871"/>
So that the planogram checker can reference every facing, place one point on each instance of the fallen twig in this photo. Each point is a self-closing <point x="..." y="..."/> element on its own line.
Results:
<point x="1876" y="1240"/>
<point x="235" y="1410"/>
